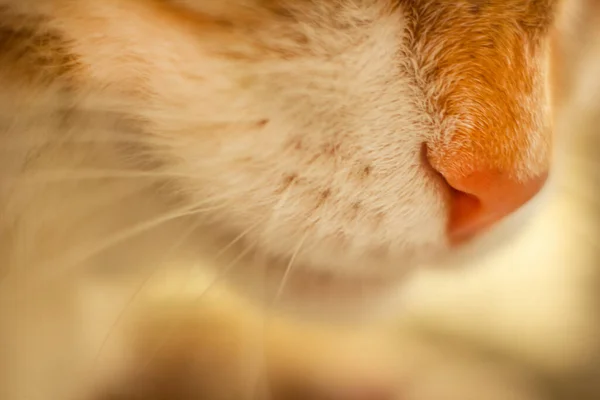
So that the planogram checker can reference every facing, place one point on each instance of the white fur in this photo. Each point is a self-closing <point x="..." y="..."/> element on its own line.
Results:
<point x="76" y="203"/>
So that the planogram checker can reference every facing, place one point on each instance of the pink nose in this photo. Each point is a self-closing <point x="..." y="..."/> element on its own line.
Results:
<point x="483" y="198"/>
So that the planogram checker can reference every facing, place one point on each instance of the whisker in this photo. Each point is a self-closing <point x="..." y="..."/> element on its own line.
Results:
<point x="95" y="203"/>
<point x="82" y="174"/>
<point x="176" y="326"/>
<point x="288" y="270"/>
<point x="138" y="290"/>
<point x="223" y="273"/>
<point x="258" y="382"/>
<point x="237" y="238"/>
<point x="38" y="138"/>
<point x="87" y="253"/>
<point x="261" y="385"/>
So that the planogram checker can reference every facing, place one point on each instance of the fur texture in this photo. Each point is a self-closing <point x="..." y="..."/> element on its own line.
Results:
<point x="304" y="126"/>
<point x="300" y="149"/>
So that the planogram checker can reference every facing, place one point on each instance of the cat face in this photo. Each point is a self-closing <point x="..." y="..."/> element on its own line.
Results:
<point x="349" y="140"/>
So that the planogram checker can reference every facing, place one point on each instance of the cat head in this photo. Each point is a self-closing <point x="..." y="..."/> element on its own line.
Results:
<point x="346" y="140"/>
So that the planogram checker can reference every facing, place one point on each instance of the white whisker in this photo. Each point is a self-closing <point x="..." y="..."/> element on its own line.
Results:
<point x="76" y="258"/>
<point x="138" y="290"/>
<point x="175" y="326"/>
<point x="261" y="382"/>
<point x="47" y="176"/>
<point x="237" y="239"/>
<point x="288" y="270"/>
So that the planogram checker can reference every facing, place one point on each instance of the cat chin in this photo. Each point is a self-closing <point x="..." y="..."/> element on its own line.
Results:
<point x="360" y="293"/>
<point x="314" y="294"/>
<point x="310" y="292"/>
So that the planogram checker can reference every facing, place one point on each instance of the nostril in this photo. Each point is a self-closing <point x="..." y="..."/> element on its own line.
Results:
<point x="481" y="198"/>
<point x="485" y="197"/>
<point x="466" y="215"/>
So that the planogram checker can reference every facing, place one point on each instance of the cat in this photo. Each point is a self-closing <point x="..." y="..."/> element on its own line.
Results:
<point x="310" y="155"/>
<point x="405" y="102"/>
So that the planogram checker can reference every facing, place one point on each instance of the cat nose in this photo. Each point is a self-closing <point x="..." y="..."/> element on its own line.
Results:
<point x="483" y="198"/>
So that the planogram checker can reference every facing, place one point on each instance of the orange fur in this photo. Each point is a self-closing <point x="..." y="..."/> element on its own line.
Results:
<point x="292" y="129"/>
<point x="483" y="67"/>
<point x="314" y="114"/>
